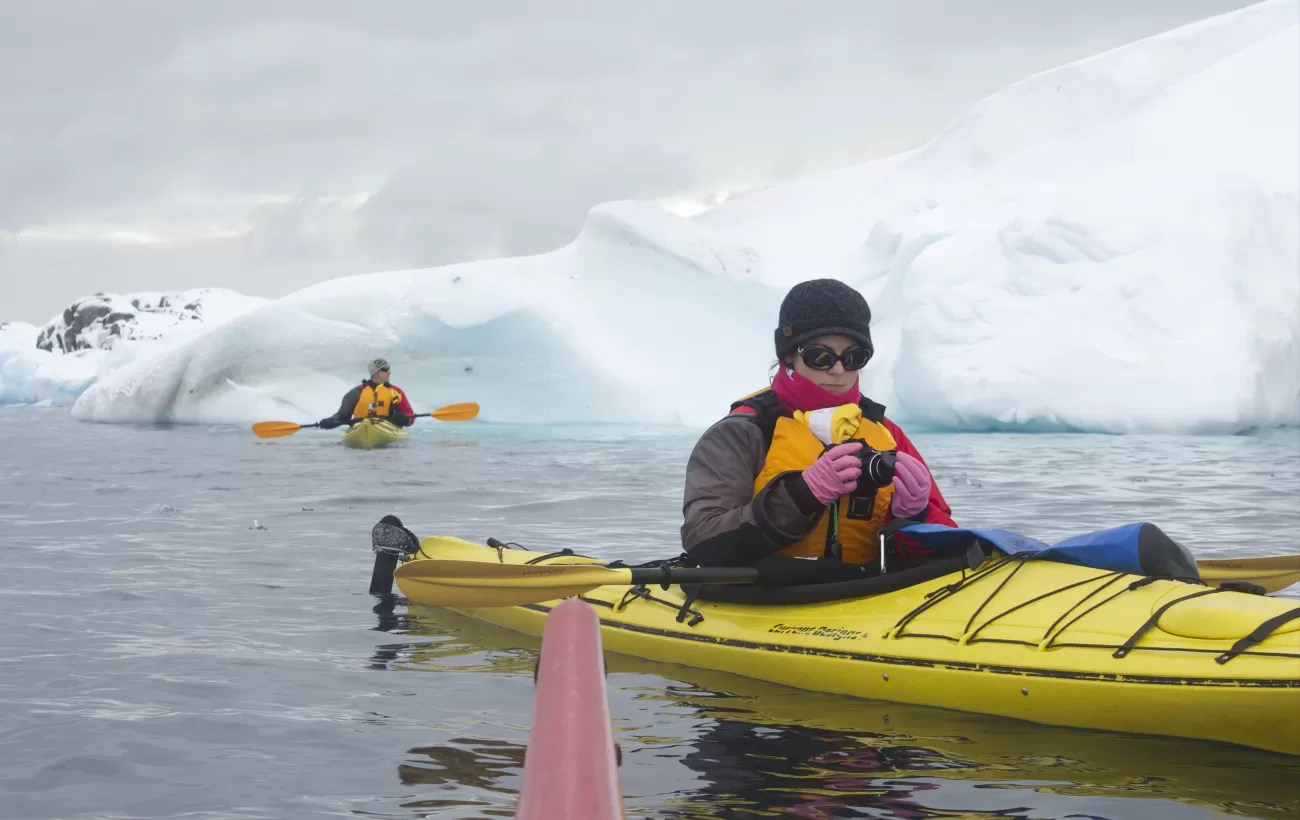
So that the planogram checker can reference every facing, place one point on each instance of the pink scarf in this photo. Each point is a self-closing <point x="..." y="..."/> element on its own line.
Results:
<point x="798" y="393"/>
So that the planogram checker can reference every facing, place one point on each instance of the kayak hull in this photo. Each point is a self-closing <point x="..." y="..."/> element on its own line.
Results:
<point x="996" y="646"/>
<point x="371" y="433"/>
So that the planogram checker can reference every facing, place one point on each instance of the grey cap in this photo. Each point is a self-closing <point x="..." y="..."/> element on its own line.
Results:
<point x="377" y="365"/>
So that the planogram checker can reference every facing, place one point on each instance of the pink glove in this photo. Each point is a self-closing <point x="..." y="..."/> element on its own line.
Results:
<point x="911" y="486"/>
<point x="835" y="472"/>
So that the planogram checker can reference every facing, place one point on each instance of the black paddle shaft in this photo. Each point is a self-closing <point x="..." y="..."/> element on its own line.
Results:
<point x="694" y="575"/>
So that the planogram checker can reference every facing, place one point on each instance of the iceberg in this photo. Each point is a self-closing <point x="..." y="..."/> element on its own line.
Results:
<point x="633" y="321"/>
<point x="29" y="375"/>
<point x="1113" y="245"/>
<point x="100" y="333"/>
<point x="1110" y="246"/>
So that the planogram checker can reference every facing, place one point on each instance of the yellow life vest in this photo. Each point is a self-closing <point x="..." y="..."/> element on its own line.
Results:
<point x="376" y="401"/>
<point x="794" y="446"/>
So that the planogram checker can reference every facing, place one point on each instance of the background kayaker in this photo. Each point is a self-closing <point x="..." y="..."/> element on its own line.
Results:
<point x="760" y="481"/>
<point x="375" y="396"/>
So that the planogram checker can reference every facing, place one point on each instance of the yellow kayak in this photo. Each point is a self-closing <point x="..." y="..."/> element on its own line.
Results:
<point x="1039" y="640"/>
<point x="370" y="433"/>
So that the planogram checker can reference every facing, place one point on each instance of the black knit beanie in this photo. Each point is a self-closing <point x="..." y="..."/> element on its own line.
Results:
<point x="818" y="308"/>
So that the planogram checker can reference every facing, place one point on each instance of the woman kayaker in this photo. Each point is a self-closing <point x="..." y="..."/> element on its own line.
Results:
<point x="375" y="396"/>
<point x="808" y="467"/>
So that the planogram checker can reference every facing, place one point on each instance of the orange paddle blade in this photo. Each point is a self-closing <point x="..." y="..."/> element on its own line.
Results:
<point x="456" y="412"/>
<point x="275" y="429"/>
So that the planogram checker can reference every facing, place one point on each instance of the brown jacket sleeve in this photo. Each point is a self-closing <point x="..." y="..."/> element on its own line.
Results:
<point x="726" y="524"/>
<point x="349" y="404"/>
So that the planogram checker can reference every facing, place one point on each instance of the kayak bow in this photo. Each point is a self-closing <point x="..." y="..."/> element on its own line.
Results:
<point x="571" y="765"/>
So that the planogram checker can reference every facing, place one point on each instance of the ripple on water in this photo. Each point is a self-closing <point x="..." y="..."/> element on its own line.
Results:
<point x="164" y="661"/>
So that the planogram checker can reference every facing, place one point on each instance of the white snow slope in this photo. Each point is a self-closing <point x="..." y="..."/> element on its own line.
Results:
<point x="1113" y="246"/>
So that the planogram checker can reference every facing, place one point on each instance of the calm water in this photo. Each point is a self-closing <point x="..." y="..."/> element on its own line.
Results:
<point x="188" y="634"/>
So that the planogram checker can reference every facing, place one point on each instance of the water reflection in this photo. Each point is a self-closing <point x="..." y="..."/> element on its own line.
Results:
<point x="700" y="744"/>
<point x="391" y="619"/>
<point x="476" y="763"/>
<point x="755" y="768"/>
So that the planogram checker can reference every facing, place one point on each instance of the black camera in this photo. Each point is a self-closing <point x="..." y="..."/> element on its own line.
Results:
<point x="878" y="466"/>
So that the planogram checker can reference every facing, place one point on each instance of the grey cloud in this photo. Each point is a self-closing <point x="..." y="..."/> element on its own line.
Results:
<point x="475" y="128"/>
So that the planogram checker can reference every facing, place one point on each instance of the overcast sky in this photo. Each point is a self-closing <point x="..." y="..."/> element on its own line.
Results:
<point x="266" y="145"/>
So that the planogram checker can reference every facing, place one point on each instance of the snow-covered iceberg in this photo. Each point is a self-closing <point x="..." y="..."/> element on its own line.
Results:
<point x="103" y="332"/>
<point x="29" y="375"/>
<point x="636" y="320"/>
<point x="1113" y="245"/>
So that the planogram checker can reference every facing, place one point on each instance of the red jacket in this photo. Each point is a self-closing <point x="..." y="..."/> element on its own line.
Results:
<point x="937" y="513"/>
<point x="404" y="406"/>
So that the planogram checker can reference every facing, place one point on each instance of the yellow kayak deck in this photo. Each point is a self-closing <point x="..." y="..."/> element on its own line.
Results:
<point x="1041" y="641"/>
<point x="370" y="433"/>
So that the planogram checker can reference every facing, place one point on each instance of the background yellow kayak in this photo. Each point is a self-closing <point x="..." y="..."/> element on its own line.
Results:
<point x="370" y="433"/>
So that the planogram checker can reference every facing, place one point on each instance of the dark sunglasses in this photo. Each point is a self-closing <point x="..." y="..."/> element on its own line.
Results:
<point x="385" y="370"/>
<point x="823" y="358"/>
